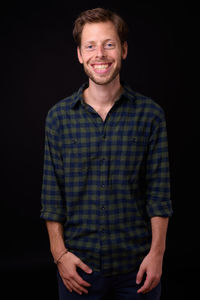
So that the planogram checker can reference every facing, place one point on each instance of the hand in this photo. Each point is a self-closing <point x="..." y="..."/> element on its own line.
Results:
<point x="152" y="266"/>
<point x="71" y="279"/>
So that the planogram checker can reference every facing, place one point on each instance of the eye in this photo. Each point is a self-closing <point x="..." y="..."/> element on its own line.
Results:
<point x="89" y="47"/>
<point x="109" y="45"/>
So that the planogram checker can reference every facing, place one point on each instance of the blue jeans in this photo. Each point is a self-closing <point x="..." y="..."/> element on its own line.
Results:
<point x="117" y="287"/>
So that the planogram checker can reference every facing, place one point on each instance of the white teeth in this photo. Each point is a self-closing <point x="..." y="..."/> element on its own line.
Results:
<point x="101" y="67"/>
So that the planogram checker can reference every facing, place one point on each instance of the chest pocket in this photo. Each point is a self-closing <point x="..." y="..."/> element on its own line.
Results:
<point x="131" y="151"/>
<point x="78" y="155"/>
<point x="136" y="144"/>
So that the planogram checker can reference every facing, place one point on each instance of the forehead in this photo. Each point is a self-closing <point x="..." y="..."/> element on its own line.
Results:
<point x="99" y="31"/>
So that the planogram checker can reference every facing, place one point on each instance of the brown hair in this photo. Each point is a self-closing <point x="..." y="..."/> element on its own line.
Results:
<point x="98" y="15"/>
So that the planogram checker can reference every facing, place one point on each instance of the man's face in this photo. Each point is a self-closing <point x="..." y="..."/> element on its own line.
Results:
<point x="101" y="52"/>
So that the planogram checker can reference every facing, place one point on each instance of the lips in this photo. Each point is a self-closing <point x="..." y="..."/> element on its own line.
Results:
<point x="101" y="67"/>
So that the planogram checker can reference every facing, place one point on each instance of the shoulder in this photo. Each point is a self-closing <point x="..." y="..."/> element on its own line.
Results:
<point x="148" y="105"/>
<point x="143" y="105"/>
<point x="62" y="107"/>
<point x="60" y="112"/>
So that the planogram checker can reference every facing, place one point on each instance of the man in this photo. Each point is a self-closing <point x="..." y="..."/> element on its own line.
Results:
<point x="105" y="195"/>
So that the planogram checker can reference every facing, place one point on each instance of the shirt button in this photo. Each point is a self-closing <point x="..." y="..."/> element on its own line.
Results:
<point x="102" y="185"/>
<point x="74" y="141"/>
<point x="103" y="208"/>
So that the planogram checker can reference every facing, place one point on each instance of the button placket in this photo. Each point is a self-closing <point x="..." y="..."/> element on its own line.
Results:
<point x="102" y="184"/>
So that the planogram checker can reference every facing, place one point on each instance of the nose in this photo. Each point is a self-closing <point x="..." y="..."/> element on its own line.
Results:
<point x="100" y="52"/>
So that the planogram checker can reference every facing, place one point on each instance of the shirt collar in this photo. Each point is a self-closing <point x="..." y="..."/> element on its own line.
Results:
<point x="78" y="96"/>
<point x="128" y="93"/>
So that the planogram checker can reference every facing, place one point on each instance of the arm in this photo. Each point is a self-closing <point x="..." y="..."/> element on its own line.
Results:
<point x="54" y="210"/>
<point x="152" y="263"/>
<point x="55" y="231"/>
<point x="68" y="263"/>
<point x="158" y="204"/>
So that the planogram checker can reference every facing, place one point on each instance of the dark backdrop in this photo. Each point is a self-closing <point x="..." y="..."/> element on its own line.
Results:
<point x="38" y="68"/>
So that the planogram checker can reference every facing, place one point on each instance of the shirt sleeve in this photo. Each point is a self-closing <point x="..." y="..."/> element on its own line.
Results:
<point x="157" y="172"/>
<point x="52" y="197"/>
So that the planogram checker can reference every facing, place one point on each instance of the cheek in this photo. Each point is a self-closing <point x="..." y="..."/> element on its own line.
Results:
<point x="117" y="55"/>
<point x="87" y="58"/>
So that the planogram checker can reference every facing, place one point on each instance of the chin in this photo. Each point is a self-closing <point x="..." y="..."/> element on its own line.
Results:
<point x="102" y="80"/>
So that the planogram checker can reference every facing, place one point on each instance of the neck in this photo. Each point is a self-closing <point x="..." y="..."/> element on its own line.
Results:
<point x="102" y="95"/>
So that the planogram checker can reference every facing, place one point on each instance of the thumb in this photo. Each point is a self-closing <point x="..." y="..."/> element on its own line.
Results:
<point x="84" y="267"/>
<point x="140" y="275"/>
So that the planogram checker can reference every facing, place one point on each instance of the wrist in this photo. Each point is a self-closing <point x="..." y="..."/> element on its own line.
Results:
<point x="157" y="251"/>
<point x="57" y="249"/>
<point x="59" y="257"/>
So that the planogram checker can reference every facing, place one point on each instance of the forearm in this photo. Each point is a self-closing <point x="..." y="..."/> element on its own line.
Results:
<point x="152" y="263"/>
<point x="56" y="238"/>
<point x="159" y="231"/>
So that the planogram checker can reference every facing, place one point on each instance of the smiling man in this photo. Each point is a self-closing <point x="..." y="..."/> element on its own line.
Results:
<point x="101" y="57"/>
<point x="106" y="194"/>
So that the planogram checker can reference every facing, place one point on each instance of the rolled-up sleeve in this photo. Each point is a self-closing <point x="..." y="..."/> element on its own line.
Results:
<point x="52" y="196"/>
<point x="157" y="172"/>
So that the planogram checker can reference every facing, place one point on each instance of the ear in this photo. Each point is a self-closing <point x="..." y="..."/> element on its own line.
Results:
<point x="124" y="50"/>
<point x="79" y="55"/>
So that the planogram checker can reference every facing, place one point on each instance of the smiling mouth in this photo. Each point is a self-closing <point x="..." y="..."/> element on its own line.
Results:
<point x="101" y="68"/>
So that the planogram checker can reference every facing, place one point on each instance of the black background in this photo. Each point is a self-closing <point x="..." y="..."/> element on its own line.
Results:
<point x="38" y="68"/>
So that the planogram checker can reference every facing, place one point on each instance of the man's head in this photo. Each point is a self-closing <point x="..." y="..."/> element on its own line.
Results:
<point x="98" y="15"/>
<point x="101" y="38"/>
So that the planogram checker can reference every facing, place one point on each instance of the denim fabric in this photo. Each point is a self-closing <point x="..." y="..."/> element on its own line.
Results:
<point x="116" y="287"/>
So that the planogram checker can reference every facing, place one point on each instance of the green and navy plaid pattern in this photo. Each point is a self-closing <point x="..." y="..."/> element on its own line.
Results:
<point x="105" y="180"/>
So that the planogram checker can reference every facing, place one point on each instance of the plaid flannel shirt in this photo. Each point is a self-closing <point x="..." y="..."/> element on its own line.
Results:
<point x="105" y="180"/>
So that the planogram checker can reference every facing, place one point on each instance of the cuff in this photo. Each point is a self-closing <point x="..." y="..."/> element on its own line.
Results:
<point x="52" y="216"/>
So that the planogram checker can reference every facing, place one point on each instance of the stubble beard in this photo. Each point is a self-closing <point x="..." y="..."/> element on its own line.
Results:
<point x="103" y="80"/>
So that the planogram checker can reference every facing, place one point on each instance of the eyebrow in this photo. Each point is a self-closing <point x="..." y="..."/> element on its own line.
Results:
<point x="103" y="41"/>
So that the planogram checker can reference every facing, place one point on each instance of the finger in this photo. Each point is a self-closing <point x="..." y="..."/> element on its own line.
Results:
<point x="68" y="286"/>
<point x="80" y="280"/>
<point x="78" y="288"/>
<point x="140" y="275"/>
<point x="84" y="267"/>
<point x="146" y="286"/>
<point x="152" y="286"/>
